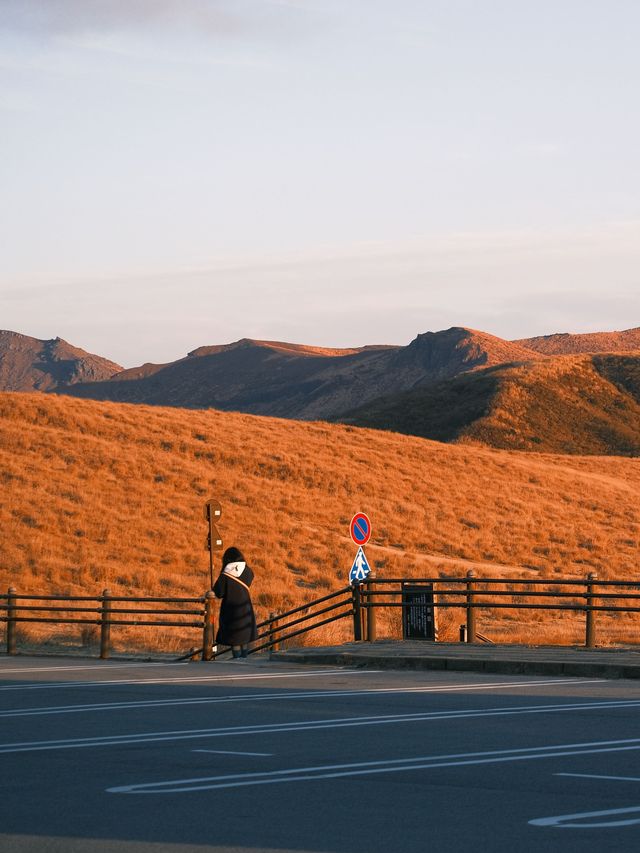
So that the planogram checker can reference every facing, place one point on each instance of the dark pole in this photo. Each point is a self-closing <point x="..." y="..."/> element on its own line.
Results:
<point x="212" y="512"/>
<point x="210" y="561"/>
<point x="471" y="612"/>
<point x="105" y="627"/>
<point x="11" y="621"/>
<point x="371" y="610"/>
<point x="590" y="639"/>
<point x="207" y="632"/>
<point x="357" y="613"/>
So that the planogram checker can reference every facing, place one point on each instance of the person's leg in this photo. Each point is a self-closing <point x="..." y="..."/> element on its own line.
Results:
<point x="244" y="651"/>
<point x="236" y="651"/>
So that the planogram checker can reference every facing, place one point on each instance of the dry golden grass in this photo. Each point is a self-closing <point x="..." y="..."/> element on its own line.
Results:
<point x="98" y="495"/>
<point x="563" y="344"/>
<point x="567" y="404"/>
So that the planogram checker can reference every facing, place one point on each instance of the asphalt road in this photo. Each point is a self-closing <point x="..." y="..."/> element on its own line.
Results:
<point x="246" y="756"/>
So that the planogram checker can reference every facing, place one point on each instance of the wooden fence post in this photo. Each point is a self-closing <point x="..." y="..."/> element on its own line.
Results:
<point x="471" y="612"/>
<point x="105" y="626"/>
<point x="371" y="610"/>
<point x="11" y="624"/>
<point x="207" y="631"/>
<point x="590" y="639"/>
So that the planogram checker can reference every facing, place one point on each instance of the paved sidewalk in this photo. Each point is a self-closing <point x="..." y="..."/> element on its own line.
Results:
<point x="512" y="660"/>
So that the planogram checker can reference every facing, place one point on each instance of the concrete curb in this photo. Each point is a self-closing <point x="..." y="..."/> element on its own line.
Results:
<point x="529" y="665"/>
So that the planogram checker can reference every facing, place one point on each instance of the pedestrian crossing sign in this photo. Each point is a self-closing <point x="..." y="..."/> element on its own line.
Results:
<point x="360" y="570"/>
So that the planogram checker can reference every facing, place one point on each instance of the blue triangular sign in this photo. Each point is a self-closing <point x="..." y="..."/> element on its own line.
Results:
<point x="360" y="569"/>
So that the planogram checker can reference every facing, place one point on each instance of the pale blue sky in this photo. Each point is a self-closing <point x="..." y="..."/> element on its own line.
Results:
<point x="175" y="173"/>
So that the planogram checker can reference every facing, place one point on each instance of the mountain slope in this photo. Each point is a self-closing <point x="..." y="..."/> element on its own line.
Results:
<point x="567" y="404"/>
<point x="103" y="494"/>
<point x="287" y="380"/>
<point x="595" y="342"/>
<point x="29" y="364"/>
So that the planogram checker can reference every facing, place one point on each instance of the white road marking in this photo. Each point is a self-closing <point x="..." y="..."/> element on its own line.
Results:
<point x="212" y="700"/>
<point x="102" y="667"/>
<point x="313" y="725"/>
<point x="231" y="752"/>
<point x="365" y="768"/>
<point x="582" y="820"/>
<point x="209" y="679"/>
<point x="594" y="776"/>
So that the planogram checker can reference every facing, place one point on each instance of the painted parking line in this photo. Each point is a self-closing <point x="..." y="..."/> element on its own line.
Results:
<point x="102" y="667"/>
<point x="313" y="725"/>
<point x="367" y="768"/>
<point x="232" y="752"/>
<point x="596" y="776"/>
<point x="585" y="820"/>
<point x="270" y="697"/>
<point x="196" y="679"/>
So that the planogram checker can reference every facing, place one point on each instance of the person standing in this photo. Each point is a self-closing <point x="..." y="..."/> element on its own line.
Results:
<point x="237" y="622"/>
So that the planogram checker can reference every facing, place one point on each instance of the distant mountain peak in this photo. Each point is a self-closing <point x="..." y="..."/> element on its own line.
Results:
<point x="31" y="364"/>
<point x="284" y="347"/>
<point x="459" y="349"/>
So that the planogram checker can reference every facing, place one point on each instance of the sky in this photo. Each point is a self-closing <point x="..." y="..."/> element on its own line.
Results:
<point x="176" y="173"/>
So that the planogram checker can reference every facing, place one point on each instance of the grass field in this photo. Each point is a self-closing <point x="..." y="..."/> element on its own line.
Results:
<point x="97" y="495"/>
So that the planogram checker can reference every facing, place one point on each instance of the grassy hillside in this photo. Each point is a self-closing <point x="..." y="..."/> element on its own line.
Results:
<point x="567" y="404"/>
<point x="104" y="494"/>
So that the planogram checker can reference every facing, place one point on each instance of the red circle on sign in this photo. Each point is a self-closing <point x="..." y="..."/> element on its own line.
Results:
<point x="360" y="528"/>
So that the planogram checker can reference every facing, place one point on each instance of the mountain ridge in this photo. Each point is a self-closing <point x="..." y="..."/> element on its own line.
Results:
<point x="32" y="364"/>
<point x="566" y="343"/>
<point x="306" y="383"/>
<point x="455" y="385"/>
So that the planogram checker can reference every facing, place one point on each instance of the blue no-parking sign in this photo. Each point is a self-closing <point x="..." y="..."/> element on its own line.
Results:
<point x="360" y="528"/>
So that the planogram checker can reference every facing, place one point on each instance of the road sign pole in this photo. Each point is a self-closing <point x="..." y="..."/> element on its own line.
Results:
<point x="371" y="609"/>
<point x="210" y="567"/>
<point x="357" y="613"/>
<point x="212" y="512"/>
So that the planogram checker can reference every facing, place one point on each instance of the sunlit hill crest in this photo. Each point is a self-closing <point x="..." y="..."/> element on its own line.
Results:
<point x="558" y="393"/>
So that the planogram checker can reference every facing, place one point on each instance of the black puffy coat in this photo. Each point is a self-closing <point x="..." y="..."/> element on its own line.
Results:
<point x="237" y="624"/>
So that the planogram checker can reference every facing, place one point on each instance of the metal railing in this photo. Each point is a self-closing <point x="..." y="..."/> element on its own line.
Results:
<point x="277" y="629"/>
